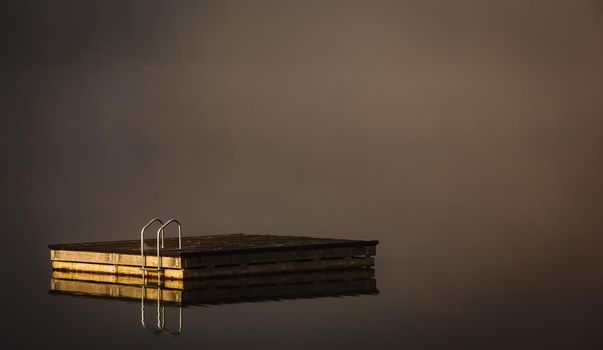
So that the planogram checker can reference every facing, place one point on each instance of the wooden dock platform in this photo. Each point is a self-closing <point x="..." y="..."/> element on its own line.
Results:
<point x="214" y="256"/>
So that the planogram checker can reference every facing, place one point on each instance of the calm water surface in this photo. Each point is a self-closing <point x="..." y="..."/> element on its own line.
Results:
<point x="422" y="303"/>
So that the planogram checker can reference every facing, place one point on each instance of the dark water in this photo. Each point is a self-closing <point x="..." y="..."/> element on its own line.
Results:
<point x="465" y="136"/>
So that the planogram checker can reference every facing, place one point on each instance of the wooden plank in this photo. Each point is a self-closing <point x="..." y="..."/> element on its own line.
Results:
<point x="114" y="269"/>
<point x="284" y="267"/>
<point x="213" y="283"/>
<point x="136" y="280"/>
<point x="112" y="258"/>
<point x="200" y="261"/>
<point x="275" y="256"/>
<point x="217" y="244"/>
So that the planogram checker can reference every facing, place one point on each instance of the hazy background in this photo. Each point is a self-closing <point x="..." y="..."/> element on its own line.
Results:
<point x="464" y="135"/>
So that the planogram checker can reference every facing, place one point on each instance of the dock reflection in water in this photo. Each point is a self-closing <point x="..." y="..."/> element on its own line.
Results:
<point x="202" y="292"/>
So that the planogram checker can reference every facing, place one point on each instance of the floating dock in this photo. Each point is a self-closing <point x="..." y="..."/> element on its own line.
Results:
<point x="212" y="256"/>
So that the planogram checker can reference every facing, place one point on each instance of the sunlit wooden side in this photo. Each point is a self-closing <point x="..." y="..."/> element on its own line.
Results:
<point x="114" y="269"/>
<point x="112" y="258"/>
<point x="227" y="270"/>
<point x="118" y="279"/>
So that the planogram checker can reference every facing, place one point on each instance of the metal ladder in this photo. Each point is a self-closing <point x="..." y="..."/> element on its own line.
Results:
<point x="160" y="234"/>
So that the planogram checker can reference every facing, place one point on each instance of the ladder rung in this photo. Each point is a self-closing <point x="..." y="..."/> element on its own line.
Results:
<point x="150" y="268"/>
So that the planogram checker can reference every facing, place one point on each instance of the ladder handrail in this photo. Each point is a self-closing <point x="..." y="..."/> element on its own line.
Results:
<point x="142" y="239"/>
<point x="160" y="232"/>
